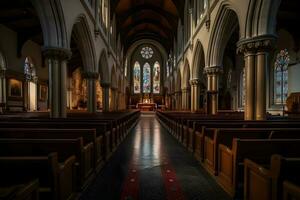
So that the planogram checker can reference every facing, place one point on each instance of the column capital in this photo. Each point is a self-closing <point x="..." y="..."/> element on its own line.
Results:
<point x="256" y="44"/>
<point x="213" y="70"/>
<point x="105" y="85"/>
<point x="195" y="82"/>
<point x="57" y="53"/>
<point x="91" y="75"/>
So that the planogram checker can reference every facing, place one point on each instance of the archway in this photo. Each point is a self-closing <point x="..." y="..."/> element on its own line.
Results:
<point x="2" y="82"/>
<point x="82" y="74"/>
<point x="226" y="33"/>
<point x="199" y="80"/>
<point x="186" y="88"/>
<point x="178" y="91"/>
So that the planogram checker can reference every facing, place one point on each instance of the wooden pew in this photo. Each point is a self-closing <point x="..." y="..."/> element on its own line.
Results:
<point x="64" y="147"/>
<point x="264" y="180"/>
<point x="101" y="129"/>
<point x="231" y="160"/>
<point x="26" y="191"/>
<point x="291" y="191"/>
<point x="56" y="180"/>
<point x="214" y="137"/>
<point x="93" y="144"/>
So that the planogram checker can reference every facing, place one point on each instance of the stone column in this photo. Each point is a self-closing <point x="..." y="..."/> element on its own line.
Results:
<point x="114" y="98"/>
<point x="2" y="90"/>
<point x="186" y="98"/>
<point x="178" y="100"/>
<point x="56" y="60"/>
<point x="262" y="56"/>
<point x="105" y="96"/>
<point x="256" y="52"/>
<point x="212" y="89"/>
<point x="195" y="94"/>
<point x="91" y="78"/>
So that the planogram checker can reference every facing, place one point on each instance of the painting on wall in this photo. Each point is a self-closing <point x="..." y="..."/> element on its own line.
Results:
<point x="15" y="88"/>
<point x="43" y="93"/>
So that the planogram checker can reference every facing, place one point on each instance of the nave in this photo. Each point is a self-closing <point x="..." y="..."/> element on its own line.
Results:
<point x="151" y="165"/>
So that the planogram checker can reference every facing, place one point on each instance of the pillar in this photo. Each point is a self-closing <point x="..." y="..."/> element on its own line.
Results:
<point x="261" y="66"/>
<point x="56" y="60"/>
<point x="212" y="89"/>
<point x="195" y="94"/>
<point x="256" y="52"/>
<point x="114" y="92"/>
<point x="91" y="78"/>
<point x="178" y="100"/>
<point x="2" y="90"/>
<point x="186" y="98"/>
<point x="105" y="96"/>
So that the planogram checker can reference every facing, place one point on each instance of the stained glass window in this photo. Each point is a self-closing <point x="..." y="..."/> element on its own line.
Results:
<point x="146" y="78"/>
<point x="147" y="52"/>
<point x="242" y="87"/>
<point x="137" y="77"/>
<point x="281" y="77"/>
<point x="2" y="61"/>
<point x="156" y="78"/>
<point x="125" y="68"/>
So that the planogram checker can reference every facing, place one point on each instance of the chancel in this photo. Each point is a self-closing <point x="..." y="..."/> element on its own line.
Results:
<point x="149" y="99"/>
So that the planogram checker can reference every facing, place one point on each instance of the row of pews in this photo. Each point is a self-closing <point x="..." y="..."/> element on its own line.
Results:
<point x="42" y="158"/>
<point x="251" y="160"/>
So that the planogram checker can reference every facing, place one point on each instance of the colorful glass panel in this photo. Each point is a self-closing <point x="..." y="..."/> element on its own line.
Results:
<point x="156" y="78"/>
<point x="146" y="78"/>
<point x="281" y="77"/>
<point x="137" y="77"/>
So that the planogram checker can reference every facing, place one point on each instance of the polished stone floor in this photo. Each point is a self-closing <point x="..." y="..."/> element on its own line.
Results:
<point x="152" y="165"/>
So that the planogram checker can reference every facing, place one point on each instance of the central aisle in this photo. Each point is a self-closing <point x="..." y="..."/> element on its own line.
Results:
<point x="151" y="165"/>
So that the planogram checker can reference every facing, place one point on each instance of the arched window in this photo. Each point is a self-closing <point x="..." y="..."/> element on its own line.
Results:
<point x="137" y="77"/>
<point x="125" y="68"/>
<point x="2" y="62"/>
<point x="156" y="78"/>
<point x="29" y="69"/>
<point x="281" y="77"/>
<point x="146" y="78"/>
<point x="242" y="88"/>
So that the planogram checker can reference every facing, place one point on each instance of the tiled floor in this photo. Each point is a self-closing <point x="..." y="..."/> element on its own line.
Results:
<point x="152" y="165"/>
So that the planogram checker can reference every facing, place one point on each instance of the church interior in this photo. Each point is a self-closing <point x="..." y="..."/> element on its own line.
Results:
<point x="149" y="99"/>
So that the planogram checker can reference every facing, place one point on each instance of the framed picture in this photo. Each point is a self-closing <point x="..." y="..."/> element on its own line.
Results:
<point x="43" y="92"/>
<point x="15" y="88"/>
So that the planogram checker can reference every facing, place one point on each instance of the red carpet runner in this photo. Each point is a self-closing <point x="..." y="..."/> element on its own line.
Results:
<point x="173" y="191"/>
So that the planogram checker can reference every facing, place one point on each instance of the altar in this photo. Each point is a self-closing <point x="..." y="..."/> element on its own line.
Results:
<point x="146" y="106"/>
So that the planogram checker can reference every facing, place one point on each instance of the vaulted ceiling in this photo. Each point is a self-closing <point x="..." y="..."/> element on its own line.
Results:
<point x="147" y="19"/>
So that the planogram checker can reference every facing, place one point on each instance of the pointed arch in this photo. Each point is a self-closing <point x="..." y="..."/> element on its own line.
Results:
<point x="137" y="77"/>
<point x="186" y="75"/>
<point x="261" y="20"/>
<point x="198" y="62"/>
<point x="178" y="81"/>
<point x="156" y="78"/>
<point x="53" y="23"/>
<point x="83" y="38"/>
<point x="114" y="81"/>
<point x="2" y="61"/>
<point x="226" y="23"/>
<point x="146" y="78"/>
<point x="103" y="68"/>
